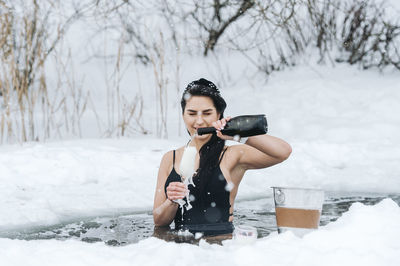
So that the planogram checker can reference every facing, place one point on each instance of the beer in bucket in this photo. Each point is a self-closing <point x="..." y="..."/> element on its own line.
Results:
<point x="297" y="209"/>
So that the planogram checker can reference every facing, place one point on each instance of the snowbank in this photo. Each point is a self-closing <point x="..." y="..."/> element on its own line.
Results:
<point x="365" y="235"/>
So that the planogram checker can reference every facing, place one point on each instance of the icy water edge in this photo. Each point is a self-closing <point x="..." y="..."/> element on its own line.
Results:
<point x="127" y="229"/>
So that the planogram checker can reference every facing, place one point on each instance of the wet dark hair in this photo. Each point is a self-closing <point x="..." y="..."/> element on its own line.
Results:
<point x="203" y="87"/>
<point x="211" y="151"/>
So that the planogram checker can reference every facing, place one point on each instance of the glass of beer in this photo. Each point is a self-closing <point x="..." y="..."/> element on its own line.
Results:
<point x="298" y="209"/>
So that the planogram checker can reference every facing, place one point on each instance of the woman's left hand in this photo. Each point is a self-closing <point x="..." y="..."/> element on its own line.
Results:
<point x="219" y="125"/>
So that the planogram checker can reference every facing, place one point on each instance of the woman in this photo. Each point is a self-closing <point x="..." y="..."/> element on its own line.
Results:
<point x="219" y="168"/>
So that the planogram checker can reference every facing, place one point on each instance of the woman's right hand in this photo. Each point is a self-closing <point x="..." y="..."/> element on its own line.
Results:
<point x="176" y="190"/>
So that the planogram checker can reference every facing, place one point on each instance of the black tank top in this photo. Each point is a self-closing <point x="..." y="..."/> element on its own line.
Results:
<point x="210" y="209"/>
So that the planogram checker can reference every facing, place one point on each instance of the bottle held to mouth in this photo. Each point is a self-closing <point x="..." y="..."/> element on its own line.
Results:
<point x="243" y="126"/>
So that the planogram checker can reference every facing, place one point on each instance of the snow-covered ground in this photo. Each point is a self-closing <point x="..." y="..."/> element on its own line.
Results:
<point x="366" y="235"/>
<point x="343" y="126"/>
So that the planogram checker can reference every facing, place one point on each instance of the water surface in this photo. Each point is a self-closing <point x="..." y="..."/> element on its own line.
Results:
<point x="126" y="229"/>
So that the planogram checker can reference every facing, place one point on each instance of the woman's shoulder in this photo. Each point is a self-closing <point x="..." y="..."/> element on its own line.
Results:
<point x="232" y="152"/>
<point x="169" y="155"/>
<point x="232" y="149"/>
<point x="168" y="160"/>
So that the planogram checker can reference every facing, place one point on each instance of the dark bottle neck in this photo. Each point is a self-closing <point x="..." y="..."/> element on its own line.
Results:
<point x="244" y="126"/>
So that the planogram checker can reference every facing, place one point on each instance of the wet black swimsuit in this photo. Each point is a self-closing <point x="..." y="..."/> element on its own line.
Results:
<point x="210" y="210"/>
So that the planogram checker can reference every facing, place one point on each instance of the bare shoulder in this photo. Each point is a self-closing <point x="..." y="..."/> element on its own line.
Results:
<point x="168" y="159"/>
<point x="239" y="155"/>
<point x="232" y="155"/>
<point x="236" y="150"/>
<point x="232" y="169"/>
<point x="263" y="151"/>
<point x="166" y="163"/>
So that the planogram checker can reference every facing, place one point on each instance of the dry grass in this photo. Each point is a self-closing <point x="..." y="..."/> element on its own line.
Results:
<point x="28" y="112"/>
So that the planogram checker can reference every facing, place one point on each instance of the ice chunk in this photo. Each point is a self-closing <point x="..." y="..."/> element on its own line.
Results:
<point x="184" y="233"/>
<point x="198" y="235"/>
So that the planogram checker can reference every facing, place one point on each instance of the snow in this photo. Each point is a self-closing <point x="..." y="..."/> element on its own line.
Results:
<point x="365" y="235"/>
<point x="340" y="122"/>
<point x="48" y="183"/>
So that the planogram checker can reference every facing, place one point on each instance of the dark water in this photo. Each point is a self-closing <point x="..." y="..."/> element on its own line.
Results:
<point x="126" y="229"/>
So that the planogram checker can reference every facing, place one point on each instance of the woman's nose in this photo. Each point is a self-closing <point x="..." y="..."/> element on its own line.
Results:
<point x="199" y="119"/>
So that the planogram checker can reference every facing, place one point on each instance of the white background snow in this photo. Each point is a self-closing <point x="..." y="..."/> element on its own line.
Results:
<point x="342" y="123"/>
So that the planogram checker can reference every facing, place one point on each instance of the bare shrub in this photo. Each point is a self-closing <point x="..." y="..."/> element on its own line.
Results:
<point x="214" y="17"/>
<point x="356" y="32"/>
<point x="324" y="17"/>
<point x="369" y="38"/>
<point x="282" y="30"/>
<point x="23" y="54"/>
<point x="124" y="17"/>
<point x="353" y="31"/>
<point x="123" y="115"/>
<point x="157" y="59"/>
<point x="68" y="100"/>
<point x="155" y="44"/>
<point x="27" y="39"/>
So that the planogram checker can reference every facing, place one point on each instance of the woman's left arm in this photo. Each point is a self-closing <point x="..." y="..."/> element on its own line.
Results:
<point x="262" y="151"/>
<point x="259" y="151"/>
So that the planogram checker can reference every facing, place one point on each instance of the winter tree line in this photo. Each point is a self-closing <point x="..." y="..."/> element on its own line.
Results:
<point x="270" y="34"/>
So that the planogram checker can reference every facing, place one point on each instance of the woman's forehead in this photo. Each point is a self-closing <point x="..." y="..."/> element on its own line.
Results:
<point x="200" y="103"/>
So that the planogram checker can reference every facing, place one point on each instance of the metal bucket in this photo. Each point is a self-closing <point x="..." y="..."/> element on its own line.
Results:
<point x="298" y="209"/>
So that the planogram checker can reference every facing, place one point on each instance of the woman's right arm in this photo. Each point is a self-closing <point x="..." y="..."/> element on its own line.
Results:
<point x="164" y="208"/>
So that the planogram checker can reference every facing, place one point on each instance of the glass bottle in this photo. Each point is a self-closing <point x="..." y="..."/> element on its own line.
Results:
<point x="243" y="126"/>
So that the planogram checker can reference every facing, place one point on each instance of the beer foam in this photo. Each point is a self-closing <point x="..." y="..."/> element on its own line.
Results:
<point x="186" y="167"/>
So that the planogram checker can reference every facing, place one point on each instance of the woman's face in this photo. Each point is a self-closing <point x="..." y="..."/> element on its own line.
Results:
<point x="199" y="112"/>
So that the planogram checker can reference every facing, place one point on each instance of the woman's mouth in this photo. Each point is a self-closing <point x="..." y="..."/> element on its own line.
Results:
<point x="195" y="128"/>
